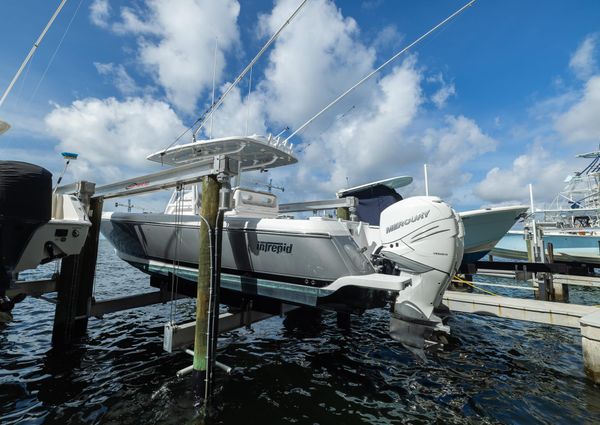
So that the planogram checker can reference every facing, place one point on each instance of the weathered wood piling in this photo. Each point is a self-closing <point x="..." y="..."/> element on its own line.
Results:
<point x="76" y="280"/>
<point x="206" y="274"/>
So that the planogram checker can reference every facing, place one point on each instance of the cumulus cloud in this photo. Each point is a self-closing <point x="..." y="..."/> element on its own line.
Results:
<point x="580" y="123"/>
<point x="583" y="62"/>
<point x="389" y="36"/>
<point x="100" y="12"/>
<point x="176" y="41"/>
<point x="308" y="69"/>
<point x="370" y="135"/>
<point x="118" y="76"/>
<point x="538" y="166"/>
<point x="445" y="91"/>
<point x="112" y="137"/>
<point x="449" y="149"/>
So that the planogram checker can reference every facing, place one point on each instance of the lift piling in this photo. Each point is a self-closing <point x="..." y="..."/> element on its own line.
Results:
<point x="206" y="265"/>
<point x="76" y="280"/>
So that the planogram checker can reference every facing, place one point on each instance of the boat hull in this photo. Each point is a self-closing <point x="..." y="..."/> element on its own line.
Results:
<point x="261" y="258"/>
<point x="567" y="247"/>
<point x="484" y="228"/>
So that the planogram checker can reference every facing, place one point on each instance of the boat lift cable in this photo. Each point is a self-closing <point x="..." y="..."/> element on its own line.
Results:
<point x="379" y="68"/>
<point x="211" y="109"/>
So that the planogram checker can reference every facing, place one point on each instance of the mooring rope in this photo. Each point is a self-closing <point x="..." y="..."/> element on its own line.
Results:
<point x="457" y="279"/>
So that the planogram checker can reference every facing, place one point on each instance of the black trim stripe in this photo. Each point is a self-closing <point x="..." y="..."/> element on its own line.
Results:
<point x="319" y="283"/>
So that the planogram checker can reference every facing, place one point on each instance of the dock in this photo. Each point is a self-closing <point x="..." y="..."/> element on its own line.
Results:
<point x="584" y="317"/>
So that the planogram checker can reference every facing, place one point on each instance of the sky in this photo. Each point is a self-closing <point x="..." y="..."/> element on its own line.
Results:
<point x="504" y="95"/>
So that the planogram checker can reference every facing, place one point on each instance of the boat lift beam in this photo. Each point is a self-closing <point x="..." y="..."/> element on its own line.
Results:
<point x="348" y="202"/>
<point x="34" y="288"/>
<point x="165" y="179"/>
<point x="113" y="305"/>
<point x="522" y="266"/>
<point x="179" y="337"/>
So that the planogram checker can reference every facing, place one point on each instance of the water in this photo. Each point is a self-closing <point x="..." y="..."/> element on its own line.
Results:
<point x="493" y="370"/>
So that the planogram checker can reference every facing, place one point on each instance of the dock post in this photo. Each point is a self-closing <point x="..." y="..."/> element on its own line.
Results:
<point x="76" y="280"/>
<point x="209" y="209"/>
<point x="560" y="292"/>
<point x="590" y="344"/>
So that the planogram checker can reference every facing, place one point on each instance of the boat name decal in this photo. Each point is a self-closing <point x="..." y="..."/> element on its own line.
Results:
<point x="276" y="247"/>
<point x="406" y="222"/>
<point x="136" y="185"/>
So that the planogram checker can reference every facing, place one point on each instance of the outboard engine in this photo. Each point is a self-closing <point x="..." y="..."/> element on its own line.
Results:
<point x="36" y="225"/>
<point x="423" y="237"/>
<point x="25" y="205"/>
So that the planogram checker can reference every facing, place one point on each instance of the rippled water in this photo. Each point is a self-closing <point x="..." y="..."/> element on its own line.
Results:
<point x="291" y="371"/>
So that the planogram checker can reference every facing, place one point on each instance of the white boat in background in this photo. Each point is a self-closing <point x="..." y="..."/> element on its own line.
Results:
<point x="571" y="223"/>
<point x="483" y="227"/>
<point x="567" y="247"/>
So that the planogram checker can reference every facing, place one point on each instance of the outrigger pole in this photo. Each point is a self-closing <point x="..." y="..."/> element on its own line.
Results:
<point x="380" y="67"/>
<point x="4" y="126"/>
<point x="215" y="105"/>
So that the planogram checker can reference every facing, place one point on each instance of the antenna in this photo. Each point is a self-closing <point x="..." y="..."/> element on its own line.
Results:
<point x="426" y="180"/>
<point x="129" y="206"/>
<point x="213" y="85"/>
<point x="379" y="68"/>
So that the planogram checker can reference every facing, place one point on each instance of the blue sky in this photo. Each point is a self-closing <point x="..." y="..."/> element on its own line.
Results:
<point x="504" y="95"/>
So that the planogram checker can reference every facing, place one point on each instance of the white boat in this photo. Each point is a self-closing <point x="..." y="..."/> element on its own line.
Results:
<point x="314" y="262"/>
<point x="483" y="227"/>
<point x="584" y="248"/>
<point x="571" y="223"/>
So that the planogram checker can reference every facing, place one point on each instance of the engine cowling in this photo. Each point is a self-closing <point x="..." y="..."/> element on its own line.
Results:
<point x="423" y="236"/>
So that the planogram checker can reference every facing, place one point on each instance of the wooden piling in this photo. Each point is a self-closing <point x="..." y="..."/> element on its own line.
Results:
<point x="76" y="280"/>
<point x="343" y="213"/>
<point x="560" y="292"/>
<point x="590" y="344"/>
<point x="210" y="205"/>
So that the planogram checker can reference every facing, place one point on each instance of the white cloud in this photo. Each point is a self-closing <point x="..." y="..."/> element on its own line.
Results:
<point x="238" y="116"/>
<point x="367" y="143"/>
<point x="441" y="96"/>
<point x="112" y="137"/>
<point x="119" y="76"/>
<point x="446" y="90"/>
<point x="582" y="61"/>
<point x="177" y="41"/>
<point x="581" y="123"/>
<point x="309" y="68"/>
<point x="370" y="135"/>
<point x="449" y="151"/>
<point x="538" y="166"/>
<point x="99" y="13"/>
<point x="388" y="37"/>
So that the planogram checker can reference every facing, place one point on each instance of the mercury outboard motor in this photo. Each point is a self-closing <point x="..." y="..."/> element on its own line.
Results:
<point x="423" y="238"/>
<point x="25" y="205"/>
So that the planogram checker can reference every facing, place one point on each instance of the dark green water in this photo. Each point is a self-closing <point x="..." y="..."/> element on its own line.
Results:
<point x="493" y="370"/>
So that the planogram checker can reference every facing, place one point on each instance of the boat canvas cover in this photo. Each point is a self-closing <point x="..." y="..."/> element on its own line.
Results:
<point x="372" y="201"/>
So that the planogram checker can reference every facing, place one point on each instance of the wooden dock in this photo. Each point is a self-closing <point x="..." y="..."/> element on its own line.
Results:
<point x="584" y="317"/>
